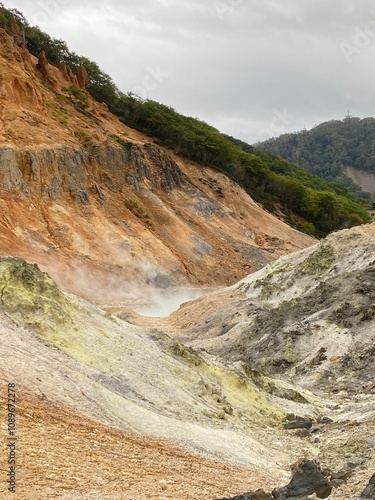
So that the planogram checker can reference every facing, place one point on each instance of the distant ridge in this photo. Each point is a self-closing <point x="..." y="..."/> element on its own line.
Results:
<point x="333" y="150"/>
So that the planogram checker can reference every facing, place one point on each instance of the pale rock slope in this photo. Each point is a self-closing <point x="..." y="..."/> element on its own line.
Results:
<point x="307" y="319"/>
<point x="79" y="364"/>
<point x="218" y="380"/>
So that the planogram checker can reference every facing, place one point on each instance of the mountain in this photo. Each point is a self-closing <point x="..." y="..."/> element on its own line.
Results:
<point x="302" y="200"/>
<point x="103" y="208"/>
<point x="338" y="150"/>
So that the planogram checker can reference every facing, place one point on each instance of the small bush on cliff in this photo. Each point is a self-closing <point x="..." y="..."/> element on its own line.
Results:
<point x="84" y="137"/>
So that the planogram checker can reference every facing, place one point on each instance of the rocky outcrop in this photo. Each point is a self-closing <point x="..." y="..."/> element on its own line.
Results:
<point x="13" y="46"/>
<point x="307" y="479"/>
<point x="82" y="77"/>
<point x="8" y="46"/>
<point x="51" y="174"/>
<point x="29" y="294"/>
<point x="17" y="33"/>
<point x="369" y="491"/>
<point x="68" y="74"/>
<point x="10" y="175"/>
<point x="171" y="175"/>
<point x="42" y="64"/>
<point x="310" y="317"/>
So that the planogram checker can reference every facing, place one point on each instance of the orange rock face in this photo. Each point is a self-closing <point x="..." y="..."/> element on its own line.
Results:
<point x="82" y="193"/>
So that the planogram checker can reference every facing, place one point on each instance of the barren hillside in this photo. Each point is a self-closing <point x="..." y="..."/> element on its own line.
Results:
<point x="303" y="323"/>
<point x="98" y="204"/>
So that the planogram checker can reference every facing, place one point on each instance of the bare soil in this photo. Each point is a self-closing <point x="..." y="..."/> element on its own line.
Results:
<point x="62" y="453"/>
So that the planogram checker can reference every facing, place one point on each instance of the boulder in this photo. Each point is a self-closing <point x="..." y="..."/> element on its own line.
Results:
<point x="307" y="479"/>
<point x="369" y="491"/>
<point x="298" y="424"/>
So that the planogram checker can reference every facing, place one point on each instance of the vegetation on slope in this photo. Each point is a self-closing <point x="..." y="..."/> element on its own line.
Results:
<point x="309" y="203"/>
<point x="328" y="149"/>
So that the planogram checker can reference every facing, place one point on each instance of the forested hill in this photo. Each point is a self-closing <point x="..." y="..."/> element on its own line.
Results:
<point x="329" y="148"/>
<point x="302" y="199"/>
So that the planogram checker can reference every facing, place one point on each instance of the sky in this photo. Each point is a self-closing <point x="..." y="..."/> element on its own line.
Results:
<point x="254" y="69"/>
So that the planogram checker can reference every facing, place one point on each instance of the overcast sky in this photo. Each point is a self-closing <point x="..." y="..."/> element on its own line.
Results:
<point x="251" y="68"/>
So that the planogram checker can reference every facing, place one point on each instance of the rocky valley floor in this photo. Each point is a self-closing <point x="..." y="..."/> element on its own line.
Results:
<point x="220" y="398"/>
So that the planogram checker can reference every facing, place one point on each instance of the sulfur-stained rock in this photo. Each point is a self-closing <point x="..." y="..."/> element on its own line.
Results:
<point x="29" y="295"/>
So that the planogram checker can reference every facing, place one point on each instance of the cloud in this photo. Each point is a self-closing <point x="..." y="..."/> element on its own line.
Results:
<point x="232" y="63"/>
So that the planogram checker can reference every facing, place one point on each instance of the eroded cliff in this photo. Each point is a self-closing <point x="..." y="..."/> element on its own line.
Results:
<point x="100" y="205"/>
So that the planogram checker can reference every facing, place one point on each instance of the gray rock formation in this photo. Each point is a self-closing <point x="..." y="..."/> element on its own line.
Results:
<point x="307" y="479"/>
<point x="51" y="173"/>
<point x="369" y="491"/>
